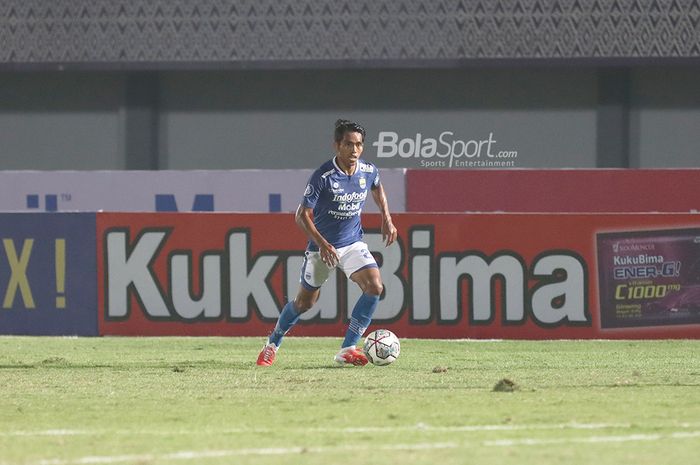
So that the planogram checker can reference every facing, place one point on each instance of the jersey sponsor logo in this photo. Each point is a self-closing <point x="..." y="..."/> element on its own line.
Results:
<point x="336" y="189"/>
<point x="350" y="206"/>
<point x="308" y="192"/>
<point x="350" y="197"/>
<point x="344" y="215"/>
<point x="365" y="168"/>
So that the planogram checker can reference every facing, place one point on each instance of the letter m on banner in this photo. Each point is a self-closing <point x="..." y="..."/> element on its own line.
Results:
<point x="202" y="203"/>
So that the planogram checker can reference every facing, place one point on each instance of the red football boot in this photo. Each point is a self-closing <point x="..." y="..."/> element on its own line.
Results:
<point x="267" y="355"/>
<point x="350" y="356"/>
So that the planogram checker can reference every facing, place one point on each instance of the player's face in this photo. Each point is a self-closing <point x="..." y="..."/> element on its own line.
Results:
<point x="349" y="148"/>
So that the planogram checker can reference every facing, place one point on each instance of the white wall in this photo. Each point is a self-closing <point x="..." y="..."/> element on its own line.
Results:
<point x="232" y="190"/>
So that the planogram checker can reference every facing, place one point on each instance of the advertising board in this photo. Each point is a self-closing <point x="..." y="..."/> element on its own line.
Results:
<point x="48" y="276"/>
<point x="649" y="278"/>
<point x="516" y="276"/>
<point x="169" y="190"/>
<point x="553" y="191"/>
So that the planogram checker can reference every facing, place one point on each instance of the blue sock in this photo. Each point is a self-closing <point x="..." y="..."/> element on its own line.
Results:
<point x="360" y="319"/>
<point x="288" y="317"/>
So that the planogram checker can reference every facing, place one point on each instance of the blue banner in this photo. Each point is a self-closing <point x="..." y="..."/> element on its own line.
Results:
<point x="48" y="274"/>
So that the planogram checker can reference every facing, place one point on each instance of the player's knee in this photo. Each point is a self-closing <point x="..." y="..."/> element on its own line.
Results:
<point x="374" y="287"/>
<point x="302" y="305"/>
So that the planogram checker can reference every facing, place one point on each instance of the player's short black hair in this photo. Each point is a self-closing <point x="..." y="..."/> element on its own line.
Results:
<point x="342" y="126"/>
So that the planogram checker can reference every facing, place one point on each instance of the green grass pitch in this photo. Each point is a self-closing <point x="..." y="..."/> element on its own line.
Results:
<point x="85" y="401"/>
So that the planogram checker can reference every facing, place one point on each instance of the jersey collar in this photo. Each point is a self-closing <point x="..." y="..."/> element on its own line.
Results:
<point x="357" y="167"/>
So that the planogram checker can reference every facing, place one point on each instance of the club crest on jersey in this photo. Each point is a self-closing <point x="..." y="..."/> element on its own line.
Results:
<point x="363" y="183"/>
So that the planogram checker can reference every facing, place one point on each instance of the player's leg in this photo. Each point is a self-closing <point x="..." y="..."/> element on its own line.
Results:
<point x="305" y="299"/>
<point x="370" y="281"/>
<point x="362" y="269"/>
<point x="289" y="316"/>
<point x="313" y="274"/>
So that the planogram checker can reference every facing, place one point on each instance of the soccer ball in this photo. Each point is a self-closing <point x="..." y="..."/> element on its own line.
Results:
<point x="382" y="347"/>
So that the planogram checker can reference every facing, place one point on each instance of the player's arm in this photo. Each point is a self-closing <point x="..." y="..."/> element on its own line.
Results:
<point x="388" y="230"/>
<point x="305" y="220"/>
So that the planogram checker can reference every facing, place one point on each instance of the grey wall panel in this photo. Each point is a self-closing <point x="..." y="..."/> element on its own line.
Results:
<point x="60" y="121"/>
<point x="666" y="117"/>
<point x="284" y="119"/>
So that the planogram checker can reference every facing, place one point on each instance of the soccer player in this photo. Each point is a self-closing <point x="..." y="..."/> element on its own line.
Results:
<point x="330" y="216"/>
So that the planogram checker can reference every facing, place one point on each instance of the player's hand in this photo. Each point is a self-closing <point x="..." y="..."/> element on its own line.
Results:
<point x="389" y="232"/>
<point x="328" y="254"/>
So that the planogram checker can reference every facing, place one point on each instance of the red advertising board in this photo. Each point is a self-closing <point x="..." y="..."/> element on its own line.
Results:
<point x="517" y="276"/>
<point x="557" y="190"/>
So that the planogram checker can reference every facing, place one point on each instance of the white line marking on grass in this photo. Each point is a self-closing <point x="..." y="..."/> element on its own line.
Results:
<point x="204" y="454"/>
<point x="420" y="427"/>
<point x="593" y="439"/>
<point x="363" y="429"/>
<point x="50" y="432"/>
<point x="477" y="428"/>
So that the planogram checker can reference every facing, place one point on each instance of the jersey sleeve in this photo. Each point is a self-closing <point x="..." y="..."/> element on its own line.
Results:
<point x="313" y="190"/>
<point x="376" y="182"/>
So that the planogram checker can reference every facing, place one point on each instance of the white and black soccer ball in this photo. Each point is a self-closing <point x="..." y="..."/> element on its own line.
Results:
<point x="382" y="347"/>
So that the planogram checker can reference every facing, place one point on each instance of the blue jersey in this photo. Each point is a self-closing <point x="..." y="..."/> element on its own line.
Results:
<point x="337" y="200"/>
